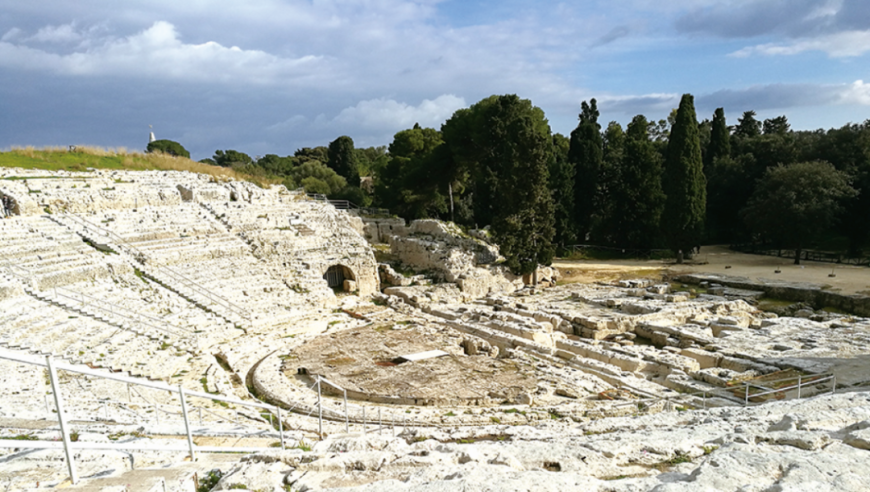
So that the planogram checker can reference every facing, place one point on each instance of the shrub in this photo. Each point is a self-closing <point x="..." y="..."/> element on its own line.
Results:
<point x="168" y="147"/>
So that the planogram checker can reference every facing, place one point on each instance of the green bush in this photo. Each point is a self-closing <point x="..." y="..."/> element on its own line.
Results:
<point x="168" y="147"/>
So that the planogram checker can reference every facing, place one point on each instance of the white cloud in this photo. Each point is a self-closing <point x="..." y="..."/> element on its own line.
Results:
<point x="65" y="33"/>
<point x="372" y="122"/>
<point x="838" y="45"/>
<point x="11" y="34"/>
<point x="157" y="52"/>
<point x="856" y="93"/>
<point x="390" y="114"/>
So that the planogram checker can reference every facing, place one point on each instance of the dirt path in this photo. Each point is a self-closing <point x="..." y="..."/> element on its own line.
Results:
<point x="714" y="259"/>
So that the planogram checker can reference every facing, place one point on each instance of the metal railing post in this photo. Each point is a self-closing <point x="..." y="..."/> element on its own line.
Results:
<point x="346" y="416"/>
<point x="380" y="422"/>
<point x="364" y="420"/>
<point x="833" y="384"/>
<point x="61" y="419"/>
<point x="281" y="427"/>
<point x="186" y="422"/>
<point x="200" y="416"/>
<point x="129" y="394"/>
<point x="799" y="387"/>
<point x="319" y="411"/>
<point x="746" y="396"/>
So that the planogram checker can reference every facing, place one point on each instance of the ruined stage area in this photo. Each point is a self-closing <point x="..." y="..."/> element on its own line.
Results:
<point x="366" y="362"/>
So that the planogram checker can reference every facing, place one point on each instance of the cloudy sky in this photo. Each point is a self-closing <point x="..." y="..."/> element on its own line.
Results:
<point x="271" y="76"/>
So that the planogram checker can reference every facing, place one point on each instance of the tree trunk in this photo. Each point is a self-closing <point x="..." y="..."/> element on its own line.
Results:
<point x="797" y="256"/>
<point x="450" y="190"/>
<point x="680" y="257"/>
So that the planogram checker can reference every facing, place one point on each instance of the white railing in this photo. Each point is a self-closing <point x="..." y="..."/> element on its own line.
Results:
<point x="69" y="447"/>
<point x="744" y="389"/>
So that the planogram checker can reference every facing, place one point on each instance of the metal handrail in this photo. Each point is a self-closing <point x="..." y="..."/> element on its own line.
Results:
<point x="810" y="380"/>
<point x="200" y="289"/>
<point x="95" y="302"/>
<point x="68" y="446"/>
<point x="113" y="311"/>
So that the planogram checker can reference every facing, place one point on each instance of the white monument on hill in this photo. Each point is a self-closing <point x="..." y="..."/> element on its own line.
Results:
<point x="151" y="135"/>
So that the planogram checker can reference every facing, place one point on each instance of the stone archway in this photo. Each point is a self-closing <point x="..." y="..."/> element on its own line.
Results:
<point x="9" y="205"/>
<point x="340" y="277"/>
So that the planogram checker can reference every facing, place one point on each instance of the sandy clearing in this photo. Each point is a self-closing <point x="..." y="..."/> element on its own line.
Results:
<point x="714" y="259"/>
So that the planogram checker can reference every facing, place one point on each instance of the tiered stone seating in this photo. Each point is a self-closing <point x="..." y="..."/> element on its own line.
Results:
<point x="51" y="254"/>
<point x="30" y="324"/>
<point x="167" y="235"/>
<point x="149" y="299"/>
<point x="246" y="282"/>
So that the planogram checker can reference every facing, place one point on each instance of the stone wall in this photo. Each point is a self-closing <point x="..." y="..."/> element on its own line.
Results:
<point x="378" y="231"/>
<point x="797" y="292"/>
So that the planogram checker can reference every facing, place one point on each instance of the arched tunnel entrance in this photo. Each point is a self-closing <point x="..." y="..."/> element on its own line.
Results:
<point x="340" y="277"/>
<point x="8" y="206"/>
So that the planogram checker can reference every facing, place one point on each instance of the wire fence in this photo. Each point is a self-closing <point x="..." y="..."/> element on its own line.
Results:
<point x="613" y="251"/>
<point x="806" y="254"/>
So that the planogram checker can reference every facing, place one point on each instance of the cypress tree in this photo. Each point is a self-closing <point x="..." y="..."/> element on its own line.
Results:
<point x="586" y="155"/>
<point x="637" y="193"/>
<point x="720" y="139"/>
<point x="603" y="222"/>
<point x="523" y="222"/>
<point x="683" y="182"/>
<point x="562" y="189"/>
<point x="342" y="159"/>
<point x="719" y="170"/>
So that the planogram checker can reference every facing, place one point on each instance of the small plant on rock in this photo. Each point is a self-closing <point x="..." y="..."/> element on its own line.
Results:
<point x="210" y="480"/>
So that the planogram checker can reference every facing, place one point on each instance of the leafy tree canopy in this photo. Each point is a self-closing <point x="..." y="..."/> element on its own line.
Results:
<point x="343" y="160"/>
<point x="231" y="158"/>
<point x="168" y="147"/>
<point x="793" y="203"/>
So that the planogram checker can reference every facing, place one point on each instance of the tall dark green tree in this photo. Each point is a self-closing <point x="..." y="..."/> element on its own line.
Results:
<point x="637" y="193"/>
<point x="613" y="141"/>
<point x="683" y="182"/>
<point x="342" y="159"/>
<point x="586" y="155"/>
<point x="720" y="139"/>
<point x="474" y="149"/>
<point x="776" y="126"/>
<point x="747" y="126"/>
<point x="523" y="222"/>
<point x="562" y="188"/>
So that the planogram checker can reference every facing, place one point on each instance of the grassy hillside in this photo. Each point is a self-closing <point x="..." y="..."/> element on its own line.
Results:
<point x="60" y="159"/>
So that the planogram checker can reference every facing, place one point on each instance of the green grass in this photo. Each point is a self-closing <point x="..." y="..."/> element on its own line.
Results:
<point x="23" y="437"/>
<point x="710" y="449"/>
<point x="303" y="446"/>
<point x="60" y="159"/>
